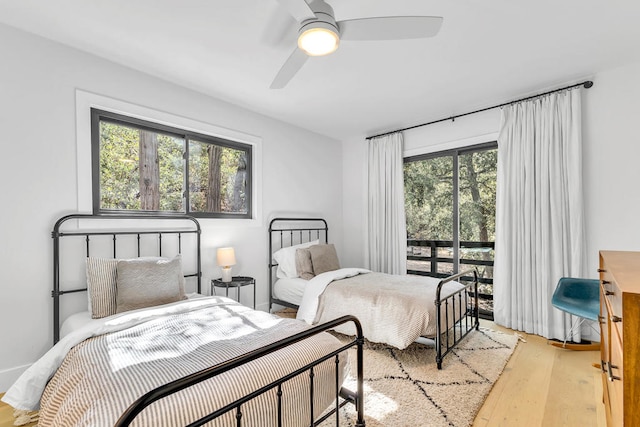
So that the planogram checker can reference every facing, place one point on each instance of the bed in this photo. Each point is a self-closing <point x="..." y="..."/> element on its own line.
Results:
<point x="395" y="310"/>
<point x="169" y="356"/>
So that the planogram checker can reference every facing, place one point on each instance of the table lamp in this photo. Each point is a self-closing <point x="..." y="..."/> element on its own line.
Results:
<point x="226" y="258"/>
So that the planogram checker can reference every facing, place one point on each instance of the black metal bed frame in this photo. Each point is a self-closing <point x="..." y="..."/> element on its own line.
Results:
<point x="57" y="234"/>
<point x="294" y="234"/>
<point x="465" y="312"/>
<point x="343" y="395"/>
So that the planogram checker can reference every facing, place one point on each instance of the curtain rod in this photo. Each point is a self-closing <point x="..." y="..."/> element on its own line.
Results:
<point x="587" y="84"/>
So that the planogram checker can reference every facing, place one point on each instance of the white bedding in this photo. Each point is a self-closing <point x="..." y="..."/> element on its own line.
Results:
<point x="316" y="286"/>
<point x="75" y="322"/>
<point x="290" y="290"/>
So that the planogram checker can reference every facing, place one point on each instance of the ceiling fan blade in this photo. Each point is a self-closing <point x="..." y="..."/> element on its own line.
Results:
<point x="299" y="9"/>
<point x="291" y="66"/>
<point x="279" y="26"/>
<point x="390" y="28"/>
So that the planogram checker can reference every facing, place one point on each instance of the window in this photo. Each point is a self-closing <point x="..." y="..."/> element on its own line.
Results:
<point x="450" y="200"/>
<point x="144" y="167"/>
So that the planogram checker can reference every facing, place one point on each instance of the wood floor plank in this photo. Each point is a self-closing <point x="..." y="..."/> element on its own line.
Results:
<point x="545" y="386"/>
<point x="569" y="374"/>
<point x="522" y="399"/>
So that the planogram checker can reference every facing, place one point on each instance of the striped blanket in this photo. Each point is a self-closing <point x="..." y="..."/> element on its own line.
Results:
<point x="100" y="377"/>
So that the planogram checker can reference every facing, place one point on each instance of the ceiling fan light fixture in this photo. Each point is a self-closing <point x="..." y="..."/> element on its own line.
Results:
<point x="318" y="39"/>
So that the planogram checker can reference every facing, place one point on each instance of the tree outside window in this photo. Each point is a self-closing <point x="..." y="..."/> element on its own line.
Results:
<point x="144" y="167"/>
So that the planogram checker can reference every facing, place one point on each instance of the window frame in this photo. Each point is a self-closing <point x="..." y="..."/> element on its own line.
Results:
<point x="455" y="153"/>
<point x="97" y="115"/>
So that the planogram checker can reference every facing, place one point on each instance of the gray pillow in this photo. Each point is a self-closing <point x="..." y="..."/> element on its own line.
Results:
<point x="304" y="266"/>
<point x="147" y="282"/>
<point x="101" y="286"/>
<point x="324" y="258"/>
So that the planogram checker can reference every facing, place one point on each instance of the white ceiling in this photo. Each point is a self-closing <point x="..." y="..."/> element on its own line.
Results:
<point x="487" y="52"/>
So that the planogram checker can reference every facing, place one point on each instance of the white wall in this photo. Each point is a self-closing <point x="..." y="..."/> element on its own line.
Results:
<point x="611" y="111"/>
<point x="38" y="140"/>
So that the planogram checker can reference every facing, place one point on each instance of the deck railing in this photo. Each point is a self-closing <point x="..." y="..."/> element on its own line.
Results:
<point x="439" y="264"/>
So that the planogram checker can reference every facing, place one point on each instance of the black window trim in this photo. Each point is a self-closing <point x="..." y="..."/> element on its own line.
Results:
<point x="461" y="150"/>
<point x="98" y="115"/>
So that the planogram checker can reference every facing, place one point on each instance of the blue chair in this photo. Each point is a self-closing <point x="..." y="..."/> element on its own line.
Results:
<point x="581" y="298"/>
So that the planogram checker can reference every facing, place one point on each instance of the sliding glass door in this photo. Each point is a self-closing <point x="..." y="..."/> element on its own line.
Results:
<point x="450" y="209"/>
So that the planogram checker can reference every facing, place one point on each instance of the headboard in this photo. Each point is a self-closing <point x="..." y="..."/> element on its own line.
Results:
<point x="285" y="232"/>
<point x="78" y="236"/>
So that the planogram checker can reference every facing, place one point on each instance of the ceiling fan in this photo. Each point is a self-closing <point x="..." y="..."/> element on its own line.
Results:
<point x="320" y="34"/>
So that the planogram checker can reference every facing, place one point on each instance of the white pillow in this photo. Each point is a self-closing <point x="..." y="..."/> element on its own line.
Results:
<point x="286" y="259"/>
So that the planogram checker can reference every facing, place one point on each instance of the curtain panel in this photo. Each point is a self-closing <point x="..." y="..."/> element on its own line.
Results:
<point x="539" y="211"/>
<point x="387" y="228"/>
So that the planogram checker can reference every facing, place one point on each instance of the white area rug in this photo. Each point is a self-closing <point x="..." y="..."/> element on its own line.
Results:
<point x="405" y="388"/>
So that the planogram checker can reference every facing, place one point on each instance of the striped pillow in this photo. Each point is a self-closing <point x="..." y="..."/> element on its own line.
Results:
<point x="101" y="285"/>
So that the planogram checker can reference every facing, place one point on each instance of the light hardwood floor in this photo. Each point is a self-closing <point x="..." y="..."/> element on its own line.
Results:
<point x="541" y="386"/>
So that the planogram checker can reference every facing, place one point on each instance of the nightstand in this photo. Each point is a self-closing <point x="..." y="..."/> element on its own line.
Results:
<point x="236" y="282"/>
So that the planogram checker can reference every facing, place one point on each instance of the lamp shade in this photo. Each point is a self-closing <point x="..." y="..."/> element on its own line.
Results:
<point x="226" y="257"/>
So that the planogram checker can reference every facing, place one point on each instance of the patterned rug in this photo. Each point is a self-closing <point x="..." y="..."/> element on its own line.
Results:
<point x="405" y="388"/>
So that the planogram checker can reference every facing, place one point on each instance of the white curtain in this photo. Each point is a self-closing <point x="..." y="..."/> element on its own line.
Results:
<point x="539" y="211"/>
<point x="387" y="228"/>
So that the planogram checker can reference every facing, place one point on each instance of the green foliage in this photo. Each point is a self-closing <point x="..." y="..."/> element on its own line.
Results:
<point x="120" y="172"/>
<point x="429" y="188"/>
<point x="119" y="167"/>
<point x="170" y="151"/>
<point x="477" y="194"/>
<point x="429" y="197"/>
<point x="232" y="168"/>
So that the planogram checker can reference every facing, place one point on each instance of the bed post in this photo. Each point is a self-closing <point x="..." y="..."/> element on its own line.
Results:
<point x="360" y="368"/>
<point x="475" y="292"/>
<point x="269" y="264"/>
<point x="55" y="293"/>
<point x="438" y="328"/>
